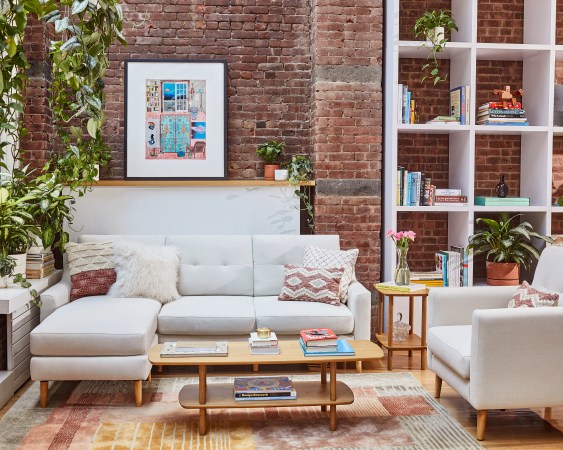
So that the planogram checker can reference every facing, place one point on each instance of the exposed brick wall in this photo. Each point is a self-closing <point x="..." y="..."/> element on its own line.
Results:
<point x="558" y="22"/>
<point x="500" y="21"/>
<point x="411" y="10"/>
<point x="496" y="155"/>
<point x="37" y="117"/>
<point x="496" y="75"/>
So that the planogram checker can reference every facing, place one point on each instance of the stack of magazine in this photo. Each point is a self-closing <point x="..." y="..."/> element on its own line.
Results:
<point x="182" y="349"/>
<point x="263" y="346"/>
<point x="264" y="388"/>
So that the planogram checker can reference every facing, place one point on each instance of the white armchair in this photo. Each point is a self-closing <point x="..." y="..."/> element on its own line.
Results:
<point x="497" y="357"/>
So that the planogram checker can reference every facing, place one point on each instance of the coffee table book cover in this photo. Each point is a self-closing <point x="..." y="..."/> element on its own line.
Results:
<point x="263" y="387"/>
<point x="318" y="337"/>
<point x="194" y="348"/>
<point x="343" y="348"/>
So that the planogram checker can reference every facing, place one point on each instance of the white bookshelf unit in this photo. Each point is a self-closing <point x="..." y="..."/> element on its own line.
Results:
<point x="538" y="55"/>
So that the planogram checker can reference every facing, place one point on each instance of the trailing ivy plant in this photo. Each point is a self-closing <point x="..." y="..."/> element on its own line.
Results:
<point x="300" y="169"/>
<point x="85" y="29"/>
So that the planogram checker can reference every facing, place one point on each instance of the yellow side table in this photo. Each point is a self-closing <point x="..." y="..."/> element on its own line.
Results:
<point x="413" y="341"/>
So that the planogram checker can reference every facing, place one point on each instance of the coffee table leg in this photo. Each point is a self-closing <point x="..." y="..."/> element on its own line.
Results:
<point x="332" y="414"/>
<point x="323" y="381"/>
<point x="202" y="399"/>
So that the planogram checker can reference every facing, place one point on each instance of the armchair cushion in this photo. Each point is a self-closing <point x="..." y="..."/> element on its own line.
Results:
<point x="452" y="345"/>
<point x="533" y="297"/>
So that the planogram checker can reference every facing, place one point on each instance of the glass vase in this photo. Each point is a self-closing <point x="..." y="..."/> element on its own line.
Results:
<point x="402" y="271"/>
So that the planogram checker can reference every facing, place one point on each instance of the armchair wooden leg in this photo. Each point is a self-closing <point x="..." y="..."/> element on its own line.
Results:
<point x="138" y="385"/>
<point x="547" y="412"/>
<point x="437" y="387"/>
<point x="43" y="393"/>
<point x="481" y="423"/>
<point x="359" y="366"/>
<point x="149" y="378"/>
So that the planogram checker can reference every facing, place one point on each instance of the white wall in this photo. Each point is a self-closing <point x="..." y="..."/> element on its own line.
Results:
<point x="187" y="210"/>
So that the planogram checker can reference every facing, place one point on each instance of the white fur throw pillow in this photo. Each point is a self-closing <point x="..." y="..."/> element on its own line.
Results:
<point x="147" y="271"/>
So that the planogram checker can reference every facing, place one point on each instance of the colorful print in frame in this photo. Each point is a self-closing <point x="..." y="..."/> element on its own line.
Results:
<point x="181" y="106"/>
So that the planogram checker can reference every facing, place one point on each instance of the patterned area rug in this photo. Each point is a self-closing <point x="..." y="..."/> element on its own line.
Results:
<point x="391" y="411"/>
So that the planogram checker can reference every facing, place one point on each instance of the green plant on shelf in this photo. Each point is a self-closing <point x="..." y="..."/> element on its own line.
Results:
<point x="433" y="25"/>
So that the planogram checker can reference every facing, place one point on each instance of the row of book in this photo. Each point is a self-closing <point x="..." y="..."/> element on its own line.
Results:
<point x="406" y="106"/>
<point x="453" y="266"/>
<point x="415" y="189"/>
<point x="39" y="264"/>
<point x="493" y="113"/>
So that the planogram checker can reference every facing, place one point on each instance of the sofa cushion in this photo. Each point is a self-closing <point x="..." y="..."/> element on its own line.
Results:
<point x="272" y="252"/>
<point x="148" y="271"/>
<point x="149" y="239"/>
<point x="527" y="296"/>
<point x="97" y="326"/>
<point x="291" y="317"/>
<point x="92" y="271"/>
<point x="309" y="284"/>
<point x="453" y="345"/>
<point x="202" y="315"/>
<point x="214" y="265"/>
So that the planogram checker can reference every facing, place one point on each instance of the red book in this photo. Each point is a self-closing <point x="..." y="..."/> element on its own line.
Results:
<point x="318" y="337"/>
<point x="499" y="105"/>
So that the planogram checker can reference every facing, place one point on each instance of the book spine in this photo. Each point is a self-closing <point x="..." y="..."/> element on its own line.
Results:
<point x="399" y="103"/>
<point x="404" y="103"/>
<point x="413" y="191"/>
<point x="405" y="187"/>
<point x="427" y="189"/>
<point x="411" y="112"/>
<point x="469" y="105"/>
<point x="408" y="108"/>
<point x="455" y="102"/>
<point x="451" y="198"/>
<point x="264" y="394"/>
<point x="444" y="192"/>
<point x="488" y="122"/>
<point x="399" y="183"/>
<point x="462" y="106"/>
<point x="421" y="190"/>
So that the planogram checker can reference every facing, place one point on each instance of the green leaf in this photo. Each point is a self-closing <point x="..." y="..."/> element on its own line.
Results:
<point x="1" y="82"/>
<point x="79" y="6"/>
<point x="11" y="47"/>
<point x="61" y="25"/>
<point x="92" y="127"/>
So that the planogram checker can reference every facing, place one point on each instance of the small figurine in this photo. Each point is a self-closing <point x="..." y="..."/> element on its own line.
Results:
<point x="506" y="95"/>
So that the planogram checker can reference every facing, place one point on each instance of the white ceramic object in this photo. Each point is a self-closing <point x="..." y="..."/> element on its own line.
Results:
<point x="20" y="263"/>
<point x="281" y="174"/>
<point x="436" y="35"/>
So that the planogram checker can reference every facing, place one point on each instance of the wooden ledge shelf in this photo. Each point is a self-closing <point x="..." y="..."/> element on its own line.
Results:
<point x="204" y="183"/>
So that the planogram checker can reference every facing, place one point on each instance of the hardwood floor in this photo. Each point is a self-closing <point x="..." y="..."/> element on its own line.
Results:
<point x="512" y="429"/>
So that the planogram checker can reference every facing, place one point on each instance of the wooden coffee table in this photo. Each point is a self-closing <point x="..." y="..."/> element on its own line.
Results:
<point x="309" y="393"/>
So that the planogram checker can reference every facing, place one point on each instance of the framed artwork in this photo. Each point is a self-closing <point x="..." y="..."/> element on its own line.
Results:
<point x="175" y="119"/>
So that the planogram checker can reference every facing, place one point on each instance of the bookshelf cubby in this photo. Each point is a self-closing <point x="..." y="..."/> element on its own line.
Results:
<point x="520" y="46"/>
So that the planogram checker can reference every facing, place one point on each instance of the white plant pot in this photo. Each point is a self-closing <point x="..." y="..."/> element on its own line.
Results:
<point x="435" y="35"/>
<point x="20" y="263"/>
<point x="281" y="174"/>
<point x="4" y="282"/>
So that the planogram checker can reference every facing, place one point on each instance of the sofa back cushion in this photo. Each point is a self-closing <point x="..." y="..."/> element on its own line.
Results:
<point x="271" y="252"/>
<point x="148" y="239"/>
<point x="214" y="265"/>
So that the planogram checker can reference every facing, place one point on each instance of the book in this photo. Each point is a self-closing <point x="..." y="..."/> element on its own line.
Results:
<point x="404" y="102"/>
<point x="501" y="201"/>
<point x="455" y="102"/>
<point x="407" y="108"/>
<point x="263" y="385"/>
<point x="399" y="103"/>
<point x="426" y="276"/>
<point x="318" y="337"/>
<point x="450" y="204"/>
<point x="445" y="192"/>
<point x="38" y="274"/>
<point x="450" y="198"/>
<point x="501" y="119"/>
<point x="454" y="269"/>
<point x="343" y="348"/>
<point x="291" y="396"/>
<point x="187" y="349"/>
<point x="39" y="265"/>
<point x="464" y="269"/>
<point x="488" y="122"/>
<point x="392" y="286"/>
<point x="275" y="350"/>
<point x="256" y="341"/>
<point x="499" y="105"/>
<point x="442" y="265"/>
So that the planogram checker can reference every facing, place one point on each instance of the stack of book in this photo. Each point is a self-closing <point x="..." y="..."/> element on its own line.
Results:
<point x="429" y="279"/>
<point x="323" y="342"/>
<point x="493" y="113"/>
<point x="263" y="346"/>
<point x="264" y="388"/>
<point x="448" y="197"/>
<point x="39" y="263"/>
<point x="446" y="120"/>
<point x="182" y="349"/>
<point x="502" y="201"/>
<point x="460" y="104"/>
<point x="453" y="265"/>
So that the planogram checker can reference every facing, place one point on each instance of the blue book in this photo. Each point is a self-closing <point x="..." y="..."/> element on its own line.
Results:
<point x="414" y="195"/>
<point x="408" y="108"/>
<point x="342" y="349"/>
<point x="409" y="189"/>
<point x="442" y="265"/>
<point x="488" y="122"/>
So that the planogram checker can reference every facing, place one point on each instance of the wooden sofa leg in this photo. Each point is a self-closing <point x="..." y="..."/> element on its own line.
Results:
<point x="437" y="387"/>
<point x="43" y="393"/>
<point x="481" y="423"/>
<point x="359" y="366"/>
<point x="138" y="385"/>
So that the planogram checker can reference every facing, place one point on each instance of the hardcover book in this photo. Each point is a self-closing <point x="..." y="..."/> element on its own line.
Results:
<point x="182" y="349"/>
<point x="263" y="385"/>
<point x="291" y="396"/>
<point x="318" y="337"/>
<point x="343" y="348"/>
<point x="392" y="286"/>
<point x="256" y="341"/>
<point x="498" y="201"/>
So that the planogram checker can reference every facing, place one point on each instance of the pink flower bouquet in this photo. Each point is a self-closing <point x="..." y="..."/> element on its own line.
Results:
<point x="401" y="238"/>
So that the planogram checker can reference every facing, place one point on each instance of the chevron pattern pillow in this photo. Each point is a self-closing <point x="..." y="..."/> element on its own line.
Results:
<point x="92" y="270"/>
<point x="527" y="296"/>
<point x="333" y="259"/>
<point x="310" y="284"/>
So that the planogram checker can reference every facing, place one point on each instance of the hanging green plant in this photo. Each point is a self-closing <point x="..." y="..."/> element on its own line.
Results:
<point x="300" y="169"/>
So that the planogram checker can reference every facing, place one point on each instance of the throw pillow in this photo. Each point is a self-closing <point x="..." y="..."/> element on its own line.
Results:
<point x="527" y="296"/>
<point x="311" y="284"/>
<point x="92" y="271"/>
<point x="333" y="259"/>
<point x="147" y="271"/>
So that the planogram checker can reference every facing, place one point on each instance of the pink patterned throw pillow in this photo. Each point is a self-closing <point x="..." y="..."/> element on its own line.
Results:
<point x="309" y="284"/>
<point x="527" y="296"/>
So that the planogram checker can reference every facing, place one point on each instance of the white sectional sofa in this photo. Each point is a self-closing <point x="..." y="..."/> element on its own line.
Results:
<point x="229" y="286"/>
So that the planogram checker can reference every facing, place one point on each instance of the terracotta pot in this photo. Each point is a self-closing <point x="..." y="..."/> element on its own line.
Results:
<point x="269" y="171"/>
<point x="503" y="274"/>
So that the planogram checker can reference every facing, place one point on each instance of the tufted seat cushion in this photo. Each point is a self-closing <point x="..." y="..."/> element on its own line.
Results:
<point x="291" y="317"/>
<point x="453" y="344"/>
<point x="210" y="314"/>
<point x="98" y="326"/>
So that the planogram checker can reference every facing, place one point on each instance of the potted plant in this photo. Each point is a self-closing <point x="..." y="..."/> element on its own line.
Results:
<point x="300" y="168"/>
<point x="507" y="246"/>
<point x="271" y="152"/>
<point x="433" y="25"/>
